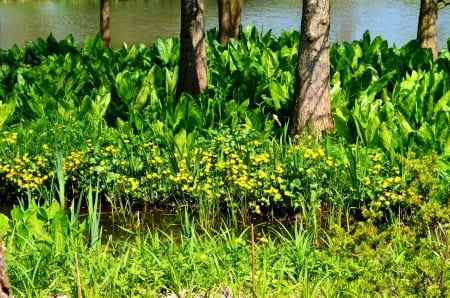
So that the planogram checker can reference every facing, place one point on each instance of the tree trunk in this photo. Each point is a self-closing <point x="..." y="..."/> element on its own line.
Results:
<point x="311" y="106"/>
<point x="236" y="9"/>
<point x="192" y="77"/>
<point x="224" y="21"/>
<point x="229" y="19"/>
<point x="427" y="30"/>
<point x="5" y="287"/>
<point x="105" y="30"/>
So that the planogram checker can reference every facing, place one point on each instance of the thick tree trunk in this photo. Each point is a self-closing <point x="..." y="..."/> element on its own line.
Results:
<point x="427" y="30"/>
<point x="192" y="76"/>
<point x="105" y="30"/>
<point x="236" y="9"/>
<point x="5" y="287"/>
<point x="311" y="106"/>
<point x="224" y="21"/>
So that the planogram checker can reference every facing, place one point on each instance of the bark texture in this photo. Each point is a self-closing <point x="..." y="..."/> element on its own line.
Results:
<point x="5" y="287"/>
<point x="229" y="19"/>
<point x="311" y="106"/>
<point x="105" y="30"/>
<point x="192" y="76"/>
<point x="236" y="10"/>
<point x="427" y="30"/>
<point x="224" y="21"/>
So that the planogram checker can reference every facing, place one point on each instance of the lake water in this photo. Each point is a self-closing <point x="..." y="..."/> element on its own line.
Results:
<point x="141" y="21"/>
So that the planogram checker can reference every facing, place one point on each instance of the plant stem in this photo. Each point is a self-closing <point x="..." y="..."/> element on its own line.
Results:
<point x="253" y="262"/>
<point x="80" y="293"/>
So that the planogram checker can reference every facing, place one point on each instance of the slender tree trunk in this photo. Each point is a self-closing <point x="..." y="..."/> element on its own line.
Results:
<point x="312" y="104"/>
<point x="192" y="77"/>
<point x="427" y="30"/>
<point x="236" y="9"/>
<point x="5" y="287"/>
<point x="229" y="19"/>
<point x="105" y="30"/>
<point x="224" y="21"/>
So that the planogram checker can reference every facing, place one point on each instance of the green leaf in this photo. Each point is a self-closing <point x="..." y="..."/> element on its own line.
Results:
<point x="373" y="123"/>
<point x="386" y="138"/>
<point x="60" y="230"/>
<point x="270" y="62"/>
<point x="341" y="122"/>
<point x="164" y="47"/>
<point x="171" y="80"/>
<point x="6" y="112"/>
<point x="4" y="224"/>
<point x="425" y="134"/>
<point x="381" y="83"/>
<point x="141" y="98"/>
<point x="278" y="94"/>
<point x="180" y="139"/>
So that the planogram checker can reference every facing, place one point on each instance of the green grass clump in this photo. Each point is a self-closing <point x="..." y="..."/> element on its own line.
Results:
<point x="363" y="259"/>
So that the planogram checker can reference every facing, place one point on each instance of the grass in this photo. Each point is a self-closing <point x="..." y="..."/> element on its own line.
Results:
<point x="359" y="225"/>
<point x="290" y="262"/>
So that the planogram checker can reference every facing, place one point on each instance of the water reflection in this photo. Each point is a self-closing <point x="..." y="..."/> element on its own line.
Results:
<point x="143" y="20"/>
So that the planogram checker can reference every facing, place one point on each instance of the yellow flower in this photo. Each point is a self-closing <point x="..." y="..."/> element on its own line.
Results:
<point x="264" y="240"/>
<point x="307" y="153"/>
<point x="238" y="240"/>
<point x="321" y="152"/>
<point x="262" y="174"/>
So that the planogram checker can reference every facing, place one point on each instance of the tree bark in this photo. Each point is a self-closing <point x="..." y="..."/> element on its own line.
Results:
<point x="192" y="77"/>
<point x="224" y="21"/>
<point x="427" y="29"/>
<point x="105" y="30"/>
<point x="236" y="9"/>
<point x="311" y="106"/>
<point x="229" y="19"/>
<point x="5" y="287"/>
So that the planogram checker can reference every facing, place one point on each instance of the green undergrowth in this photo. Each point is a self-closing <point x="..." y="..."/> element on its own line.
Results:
<point x="226" y="171"/>
<point x="363" y="224"/>
<point x="364" y="212"/>
<point x="386" y="97"/>
<point x="44" y="244"/>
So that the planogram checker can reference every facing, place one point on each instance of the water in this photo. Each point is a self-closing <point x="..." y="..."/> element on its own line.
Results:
<point x="139" y="21"/>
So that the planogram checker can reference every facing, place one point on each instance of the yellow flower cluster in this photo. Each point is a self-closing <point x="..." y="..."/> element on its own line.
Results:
<point x="72" y="162"/>
<point x="309" y="153"/>
<point x="28" y="173"/>
<point x="126" y="184"/>
<point x="183" y="177"/>
<point x="9" y="137"/>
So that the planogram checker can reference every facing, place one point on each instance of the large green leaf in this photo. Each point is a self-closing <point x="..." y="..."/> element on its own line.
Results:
<point x="6" y="112"/>
<point x="4" y="224"/>
<point x="164" y="47"/>
<point x="386" y="138"/>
